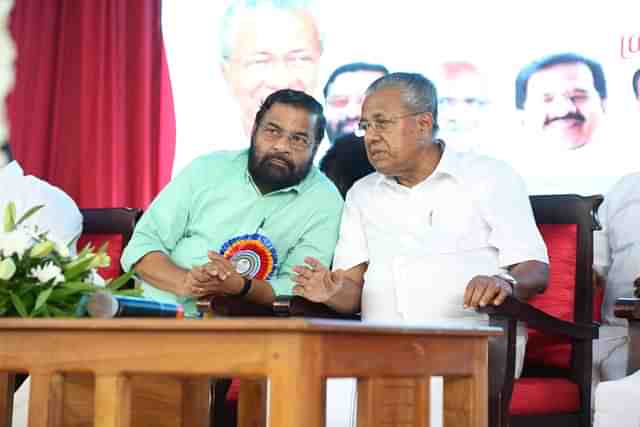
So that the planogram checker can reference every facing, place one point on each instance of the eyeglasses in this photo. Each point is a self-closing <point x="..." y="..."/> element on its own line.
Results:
<point x="381" y="125"/>
<point x="296" y="141"/>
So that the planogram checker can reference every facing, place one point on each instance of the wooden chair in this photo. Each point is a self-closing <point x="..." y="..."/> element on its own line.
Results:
<point x="113" y="225"/>
<point x="555" y="387"/>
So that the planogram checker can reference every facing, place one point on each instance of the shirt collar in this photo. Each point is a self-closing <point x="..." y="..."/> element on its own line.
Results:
<point x="448" y="164"/>
<point x="11" y="171"/>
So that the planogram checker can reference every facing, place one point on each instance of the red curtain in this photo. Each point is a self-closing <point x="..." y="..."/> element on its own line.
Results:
<point x="92" y="111"/>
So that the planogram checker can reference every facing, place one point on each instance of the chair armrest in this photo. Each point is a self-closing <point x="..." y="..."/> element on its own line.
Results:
<point x="627" y="308"/>
<point x="295" y="306"/>
<point x="538" y="319"/>
<point x="238" y="307"/>
<point x="283" y="306"/>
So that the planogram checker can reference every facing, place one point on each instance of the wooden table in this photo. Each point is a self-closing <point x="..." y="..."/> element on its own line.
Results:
<point x="295" y="354"/>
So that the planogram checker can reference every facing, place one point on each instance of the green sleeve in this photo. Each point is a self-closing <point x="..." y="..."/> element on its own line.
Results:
<point x="318" y="241"/>
<point x="164" y="222"/>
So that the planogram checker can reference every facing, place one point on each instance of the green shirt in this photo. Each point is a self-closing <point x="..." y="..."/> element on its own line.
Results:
<point x="215" y="199"/>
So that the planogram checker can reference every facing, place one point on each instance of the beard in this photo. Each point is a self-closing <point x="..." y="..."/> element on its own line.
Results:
<point x="274" y="171"/>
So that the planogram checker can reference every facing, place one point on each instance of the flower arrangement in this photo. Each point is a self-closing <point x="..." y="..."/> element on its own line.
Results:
<point x="39" y="277"/>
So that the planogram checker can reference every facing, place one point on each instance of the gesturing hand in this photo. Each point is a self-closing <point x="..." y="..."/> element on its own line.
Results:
<point x="315" y="282"/>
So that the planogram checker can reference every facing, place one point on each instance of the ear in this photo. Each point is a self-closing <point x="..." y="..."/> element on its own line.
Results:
<point x="425" y="122"/>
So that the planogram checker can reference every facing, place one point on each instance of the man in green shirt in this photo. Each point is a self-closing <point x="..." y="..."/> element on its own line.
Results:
<point x="235" y="223"/>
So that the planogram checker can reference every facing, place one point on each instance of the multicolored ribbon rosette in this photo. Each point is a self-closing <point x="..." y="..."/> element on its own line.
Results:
<point x="253" y="255"/>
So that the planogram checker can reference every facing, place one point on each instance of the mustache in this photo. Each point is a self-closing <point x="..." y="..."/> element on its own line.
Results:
<point x="290" y="165"/>
<point x="569" y="116"/>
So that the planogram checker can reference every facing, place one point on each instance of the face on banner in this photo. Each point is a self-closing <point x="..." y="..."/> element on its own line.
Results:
<point x="270" y="49"/>
<point x="563" y="106"/>
<point x="344" y="101"/>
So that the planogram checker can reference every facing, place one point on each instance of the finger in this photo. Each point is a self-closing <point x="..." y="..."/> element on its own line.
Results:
<point x="489" y="294"/>
<point x="214" y="256"/>
<point x="468" y="294"/>
<point x="199" y="274"/>
<point x="502" y="295"/>
<point x="478" y="292"/>
<point x="314" y="263"/>
<point x="298" y="290"/>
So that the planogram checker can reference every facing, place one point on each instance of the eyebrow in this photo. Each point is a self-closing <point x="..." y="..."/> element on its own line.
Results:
<point x="299" y="133"/>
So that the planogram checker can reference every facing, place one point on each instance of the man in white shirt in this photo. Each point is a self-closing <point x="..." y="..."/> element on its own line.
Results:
<point x="433" y="233"/>
<point x="60" y="216"/>
<point x="616" y="260"/>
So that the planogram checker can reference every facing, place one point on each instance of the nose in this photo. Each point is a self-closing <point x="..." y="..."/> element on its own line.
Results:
<point x="561" y="106"/>
<point x="281" y="144"/>
<point x="279" y="76"/>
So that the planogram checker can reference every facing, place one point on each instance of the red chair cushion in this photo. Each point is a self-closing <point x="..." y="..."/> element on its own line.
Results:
<point x="114" y="250"/>
<point x="538" y="396"/>
<point x="558" y="299"/>
<point x="234" y="389"/>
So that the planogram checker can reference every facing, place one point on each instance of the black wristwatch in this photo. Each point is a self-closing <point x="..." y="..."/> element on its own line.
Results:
<point x="245" y="289"/>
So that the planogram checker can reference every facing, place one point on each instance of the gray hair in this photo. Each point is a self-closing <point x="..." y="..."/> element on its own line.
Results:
<point x="418" y="93"/>
<point x="237" y="6"/>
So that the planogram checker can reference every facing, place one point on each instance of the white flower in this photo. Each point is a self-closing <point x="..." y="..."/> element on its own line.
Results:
<point x="15" y="242"/>
<point x="7" y="269"/>
<point x="47" y="272"/>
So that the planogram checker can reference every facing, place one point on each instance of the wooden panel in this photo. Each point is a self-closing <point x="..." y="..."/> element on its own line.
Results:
<point x="45" y="400"/>
<point x="112" y="401"/>
<point x="402" y="356"/>
<point x="393" y="402"/>
<point x="7" y="385"/>
<point x="252" y="408"/>
<point x="156" y="401"/>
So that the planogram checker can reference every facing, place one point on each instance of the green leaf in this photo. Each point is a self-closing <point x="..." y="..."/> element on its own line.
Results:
<point x="19" y="305"/>
<point x="116" y="284"/>
<point x="10" y="217"/>
<point x="129" y="292"/>
<point x="57" y="312"/>
<point x="75" y="269"/>
<point x="42" y="298"/>
<point x="27" y="214"/>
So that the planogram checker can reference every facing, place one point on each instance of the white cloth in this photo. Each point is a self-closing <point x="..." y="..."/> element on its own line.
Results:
<point x="617" y="403"/>
<point x="424" y="244"/>
<point x="60" y="216"/>
<point x="617" y="259"/>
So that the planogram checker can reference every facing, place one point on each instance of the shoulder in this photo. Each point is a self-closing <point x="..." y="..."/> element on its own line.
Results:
<point x="320" y="187"/>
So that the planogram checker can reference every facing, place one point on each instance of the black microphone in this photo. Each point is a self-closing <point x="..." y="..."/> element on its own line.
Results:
<point x="106" y="305"/>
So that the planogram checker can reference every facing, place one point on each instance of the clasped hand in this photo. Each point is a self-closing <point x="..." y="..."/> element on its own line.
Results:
<point x="216" y="277"/>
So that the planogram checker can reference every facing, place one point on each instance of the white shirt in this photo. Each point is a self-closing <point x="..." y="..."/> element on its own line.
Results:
<point x="617" y="245"/>
<point x="60" y="216"/>
<point x="424" y="244"/>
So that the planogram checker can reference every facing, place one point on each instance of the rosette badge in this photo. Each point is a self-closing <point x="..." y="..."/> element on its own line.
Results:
<point x="253" y="255"/>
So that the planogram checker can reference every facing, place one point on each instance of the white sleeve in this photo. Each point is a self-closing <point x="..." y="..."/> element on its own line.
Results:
<point x="351" y="249"/>
<point x="601" y="251"/>
<point x="506" y="208"/>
